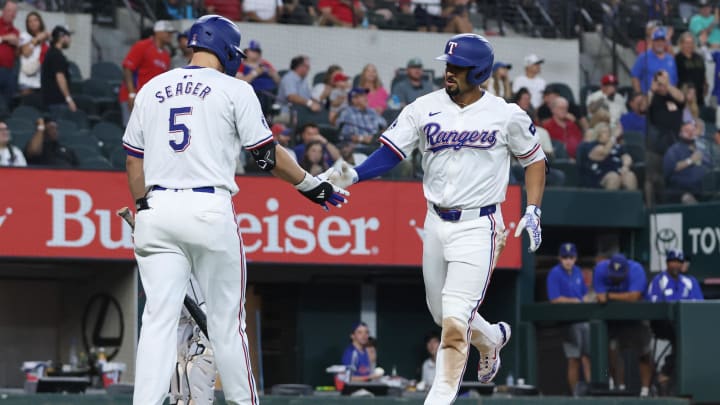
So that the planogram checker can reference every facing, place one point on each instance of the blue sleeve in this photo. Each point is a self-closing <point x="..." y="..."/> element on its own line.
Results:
<point x="583" y="286"/>
<point x="378" y="163"/>
<point x="637" y="68"/>
<point x="553" y="284"/>
<point x="673" y="73"/>
<point x="638" y="280"/>
<point x="347" y="356"/>
<point x="652" y="294"/>
<point x="600" y="277"/>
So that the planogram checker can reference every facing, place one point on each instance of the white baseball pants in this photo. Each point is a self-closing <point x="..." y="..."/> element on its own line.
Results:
<point x="458" y="259"/>
<point x="186" y="231"/>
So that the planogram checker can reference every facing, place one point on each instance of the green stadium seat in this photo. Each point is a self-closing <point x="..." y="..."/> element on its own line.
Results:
<point x="633" y="138"/>
<point x="108" y="133"/>
<point x="96" y="163"/>
<point x="20" y="124"/>
<point x="27" y="112"/>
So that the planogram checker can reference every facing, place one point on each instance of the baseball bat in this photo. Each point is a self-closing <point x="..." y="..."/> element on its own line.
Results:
<point x="195" y="311"/>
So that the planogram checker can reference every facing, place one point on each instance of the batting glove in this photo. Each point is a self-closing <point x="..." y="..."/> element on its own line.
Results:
<point x="531" y="222"/>
<point x="320" y="191"/>
<point x="341" y="174"/>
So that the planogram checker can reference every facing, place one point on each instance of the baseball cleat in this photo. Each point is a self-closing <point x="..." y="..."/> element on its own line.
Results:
<point x="489" y="362"/>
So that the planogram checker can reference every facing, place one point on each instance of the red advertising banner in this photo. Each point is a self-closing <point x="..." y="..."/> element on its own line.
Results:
<point x="71" y="214"/>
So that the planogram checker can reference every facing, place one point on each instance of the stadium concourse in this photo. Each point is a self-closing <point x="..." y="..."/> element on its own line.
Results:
<point x="631" y="197"/>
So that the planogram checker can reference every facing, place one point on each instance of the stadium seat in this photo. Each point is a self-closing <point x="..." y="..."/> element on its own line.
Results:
<point x="108" y="133"/>
<point x="559" y="150"/>
<point x="586" y="91"/>
<point x="330" y="132"/>
<point x="86" y="103"/>
<point x="76" y="78"/>
<point x="390" y="115"/>
<point x="626" y="91"/>
<point x="570" y="169"/>
<point x="117" y="158"/>
<point x="319" y="77"/>
<point x="73" y="142"/>
<point x="85" y="152"/>
<point x="33" y="99"/>
<point x="108" y="71"/>
<point x="21" y="138"/>
<point x="20" y="125"/>
<point x="707" y="114"/>
<point x="305" y="115"/>
<point x="67" y="127"/>
<point x="583" y="164"/>
<point x="79" y="117"/>
<point x="97" y="163"/>
<point x="637" y="152"/>
<point x="26" y="112"/>
<point x="113" y="116"/>
<point x="633" y="138"/>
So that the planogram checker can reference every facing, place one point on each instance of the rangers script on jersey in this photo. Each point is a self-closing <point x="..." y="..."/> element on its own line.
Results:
<point x="465" y="151"/>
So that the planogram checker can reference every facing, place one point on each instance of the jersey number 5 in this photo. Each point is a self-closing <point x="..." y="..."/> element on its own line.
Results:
<point x="179" y="127"/>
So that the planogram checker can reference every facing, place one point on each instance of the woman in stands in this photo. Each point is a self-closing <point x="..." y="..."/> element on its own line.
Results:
<point x="33" y="46"/>
<point x="377" y="95"/>
<point x="313" y="160"/>
<point x="10" y="155"/>
<point x="610" y="163"/>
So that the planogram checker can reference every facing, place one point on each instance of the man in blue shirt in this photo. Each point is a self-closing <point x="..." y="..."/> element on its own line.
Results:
<point x="685" y="165"/>
<point x="620" y="279"/>
<point x="635" y="120"/>
<point x="565" y="284"/>
<point x="653" y="60"/>
<point x="356" y="358"/>
<point x="669" y="286"/>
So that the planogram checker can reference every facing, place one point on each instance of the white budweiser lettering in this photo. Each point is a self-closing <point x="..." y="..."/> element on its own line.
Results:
<point x="334" y="235"/>
<point x="60" y="218"/>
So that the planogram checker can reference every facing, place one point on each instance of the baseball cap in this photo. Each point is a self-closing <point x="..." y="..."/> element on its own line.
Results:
<point x="674" y="255"/>
<point x="339" y="77"/>
<point x="567" y="250"/>
<point x="415" y="62"/>
<point x="659" y="33"/>
<point x="163" y="26"/>
<point x="533" y="59"/>
<point x="279" y="129"/>
<point x="618" y="263"/>
<point x="498" y="65"/>
<point x="357" y="325"/>
<point x="254" y="45"/>
<point x="609" y="79"/>
<point x="60" y="30"/>
<point x="355" y="91"/>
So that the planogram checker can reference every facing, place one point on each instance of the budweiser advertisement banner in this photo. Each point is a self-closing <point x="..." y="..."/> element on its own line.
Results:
<point x="71" y="214"/>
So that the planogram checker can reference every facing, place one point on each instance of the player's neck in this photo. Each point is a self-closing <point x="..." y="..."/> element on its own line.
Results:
<point x="468" y="97"/>
<point x="206" y="59"/>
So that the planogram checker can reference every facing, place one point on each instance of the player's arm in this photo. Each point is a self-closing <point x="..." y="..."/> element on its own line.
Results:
<point x="136" y="176"/>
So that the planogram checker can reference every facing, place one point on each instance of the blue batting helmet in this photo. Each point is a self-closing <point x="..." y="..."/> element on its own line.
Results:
<point x="470" y="50"/>
<point x="221" y="37"/>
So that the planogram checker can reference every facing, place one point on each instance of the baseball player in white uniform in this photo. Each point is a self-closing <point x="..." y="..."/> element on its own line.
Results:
<point x="184" y="134"/>
<point x="467" y="138"/>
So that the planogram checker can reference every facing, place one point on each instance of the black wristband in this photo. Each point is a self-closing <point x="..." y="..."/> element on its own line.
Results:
<point x="141" y="204"/>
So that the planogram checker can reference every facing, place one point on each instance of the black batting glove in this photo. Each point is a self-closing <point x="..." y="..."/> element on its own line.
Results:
<point x="322" y="192"/>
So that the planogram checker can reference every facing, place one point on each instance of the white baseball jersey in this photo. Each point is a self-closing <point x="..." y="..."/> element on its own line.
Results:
<point x="184" y="105"/>
<point x="466" y="151"/>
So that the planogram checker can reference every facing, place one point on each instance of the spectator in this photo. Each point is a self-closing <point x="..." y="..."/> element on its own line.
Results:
<point x="704" y="25"/>
<point x="10" y="155"/>
<point x="531" y="80"/>
<point x="175" y="10"/>
<point x="9" y="40"/>
<point x="348" y="154"/>
<point x="457" y="17"/>
<point x="635" y="120"/>
<point x="565" y="284"/>
<point x="294" y="89"/>
<point x="377" y="95"/>
<point x="264" y="11"/>
<point x="574" y="112"/>
<point x="429" y="16"/>
<point x="337" y="98"/>
<point x="282" y="136"/>
<point x="608" y="97"/>
<point x="684" y="165"/>
<point x="45" y="149"/>
<point x="358" y="123"/>
<point x="356" y="357"/>
<point x="562" y="128"/>
<point x="413" y="86"/>
<point x="685" y="270"/>
<point x="146" y="59"/>
<point x="184" y="54"/>
<point x="259" y="72"/>
<point x="312" y="159"/>
<point x="610" y="163"/>
<point x="432" y="343"/>
<point x="523" y="99"/>
<point x="691" y="67"/>
<point x="652" y="61"/>
<point x="692" y="109"/>
<point x="665" y="113"/>
<point x="670" y="286"/>
<point x="33" y="47"/>
<point x="310" y="132"/>
<point x="341" y="13"/>
<point x="620" y="279"/>
<point x="55" y="73"/>
<point x="650" y="28"/>
<point x="710" y="146"/>
<point x="298" y="12"/>
<point x="321" y="91"/>
<point x="499" y="82"/>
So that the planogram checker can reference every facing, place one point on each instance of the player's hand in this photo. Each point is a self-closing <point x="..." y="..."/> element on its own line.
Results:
<point x="341" y="174"/>
<point x="531" y="222"/>
<point x="320" y="191"/>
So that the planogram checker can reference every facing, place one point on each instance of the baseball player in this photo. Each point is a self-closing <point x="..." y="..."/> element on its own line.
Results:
<point x="186" y="129"/>
<point x="467" y="138"/>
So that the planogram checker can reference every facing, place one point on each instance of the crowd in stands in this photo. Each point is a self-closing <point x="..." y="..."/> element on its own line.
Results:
<point x="657" y="133"/>
<point x="617" y="278"/>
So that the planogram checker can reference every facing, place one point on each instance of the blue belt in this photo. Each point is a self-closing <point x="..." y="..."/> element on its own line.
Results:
<point x="208" y="189"/>
<point x="454" y="215"/>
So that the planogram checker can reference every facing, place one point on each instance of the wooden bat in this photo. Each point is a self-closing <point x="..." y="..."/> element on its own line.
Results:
<point x="195" y="311"/>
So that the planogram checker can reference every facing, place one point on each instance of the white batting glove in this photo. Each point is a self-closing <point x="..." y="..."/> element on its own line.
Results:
<point x="531" y="222"/>
<point x="341" y="174"/>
